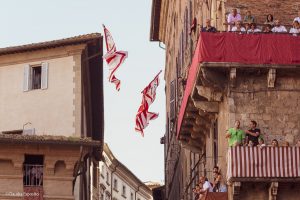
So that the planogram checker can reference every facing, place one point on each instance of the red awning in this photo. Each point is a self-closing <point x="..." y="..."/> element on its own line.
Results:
<point x="280" y="49"/>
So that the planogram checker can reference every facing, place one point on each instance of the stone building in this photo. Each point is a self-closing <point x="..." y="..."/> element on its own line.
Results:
<point x="208" y="88"/>
<point x="116" y="181"/>
<point x="51" y="117"/>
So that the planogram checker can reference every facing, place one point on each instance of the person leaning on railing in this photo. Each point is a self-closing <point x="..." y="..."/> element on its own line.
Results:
<point x="238" y="27"/>
<point x="278" y="28"/>
<point x="208" y="27"/>
<point x="295" y="30"/>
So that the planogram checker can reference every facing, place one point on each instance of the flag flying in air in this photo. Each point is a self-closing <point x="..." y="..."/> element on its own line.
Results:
<point x="113" y="58"/>
<point x="144" y="116"/>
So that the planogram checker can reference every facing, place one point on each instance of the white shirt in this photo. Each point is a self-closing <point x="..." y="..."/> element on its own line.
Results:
<point x="254" y="31"/>
<point x="297" y="19"/>
<point x="232" y="18"/>
<point x="207" y="186"/>
<point x="234" y="29"/>
<point x="295" y="31"/>
<point x="279" y="29"/>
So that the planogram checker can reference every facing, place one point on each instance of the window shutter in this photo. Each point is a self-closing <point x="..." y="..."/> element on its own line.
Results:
<point x="44" y="79"/>
<point x="26" y="79"/>
<point x="172" y="101"/>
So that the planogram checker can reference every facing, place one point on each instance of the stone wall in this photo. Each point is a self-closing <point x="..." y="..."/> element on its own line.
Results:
<point x="285" y="11"/>
<point x="277" y="111"/>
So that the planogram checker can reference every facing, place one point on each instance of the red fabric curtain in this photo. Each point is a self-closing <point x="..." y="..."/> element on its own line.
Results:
<point x="283" y="49"/>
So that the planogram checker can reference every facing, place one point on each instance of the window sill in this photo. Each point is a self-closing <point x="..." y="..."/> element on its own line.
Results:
<point x="115" y="189"/>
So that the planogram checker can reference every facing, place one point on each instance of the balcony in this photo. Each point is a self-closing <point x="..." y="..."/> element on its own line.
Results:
<point x="33" y="182"/>
<point x="267" y="164"/>
<point x="220" y="62"/>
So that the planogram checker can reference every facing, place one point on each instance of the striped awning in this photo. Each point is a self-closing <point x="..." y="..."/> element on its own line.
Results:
<point x="266" y="162"/>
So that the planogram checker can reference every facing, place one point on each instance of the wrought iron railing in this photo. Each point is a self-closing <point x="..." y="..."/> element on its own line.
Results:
<point x="33" y="175"/>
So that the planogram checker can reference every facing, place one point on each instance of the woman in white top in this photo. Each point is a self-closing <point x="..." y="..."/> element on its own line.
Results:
<point x="295" y="30"/>
<point x="238" y="27"/>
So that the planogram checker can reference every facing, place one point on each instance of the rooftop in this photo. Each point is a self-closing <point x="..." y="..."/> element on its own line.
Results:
<point x="50" y="44"/>
<point x="47" y="139"/>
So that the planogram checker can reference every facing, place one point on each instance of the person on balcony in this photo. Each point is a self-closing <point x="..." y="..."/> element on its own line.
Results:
<point x="274" y="143"/>
<point x="208" y="27"/>
<point x="298" y="143"/>
<point x="278" y="28"/>
<point x="269" y="20"/>
<point x="261" y="142"/>
<point x="253" y="29"/>
<point x="196" y="192"/>
<point x="295" y="30"/>
<point x="249" y="19"/>
<point x="206" y="186"/>
<point x="233" y="17"/>
<point x="235" y="135"/>
<point x="238" y="27"/>
<point x="253" y="133"/>
<point x="268" y="29"/>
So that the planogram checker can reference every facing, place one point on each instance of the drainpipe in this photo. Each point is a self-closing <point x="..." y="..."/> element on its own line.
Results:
<point x="111" y="179"/>
<point x="137" y="190"/>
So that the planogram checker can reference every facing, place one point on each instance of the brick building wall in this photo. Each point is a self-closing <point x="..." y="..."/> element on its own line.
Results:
<point x="285" y="10"/>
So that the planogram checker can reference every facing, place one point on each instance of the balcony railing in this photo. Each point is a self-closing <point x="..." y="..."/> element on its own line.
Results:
<point x="33" y="175"/>
<point x="256" y="163"/>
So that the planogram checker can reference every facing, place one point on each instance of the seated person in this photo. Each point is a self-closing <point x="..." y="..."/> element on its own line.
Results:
<point x="268" y="29"/>
<point x="253" y="133"/>
<point x="295" y="30"/>
<point x="208" y="27"/>
<point x="261" y="142"/>
<point x="249" y="18"/>
<point x="274" y="143"/>
<point x="206" y="186"/>
<point x="269" y="20"/>
<point x="235" y="135"/>
<point x="278" y="28"/>
<point x="286" y="144"/>
<point x="196" y="191"/>
<point x="238" y="27"/>
<point x="253" y="29"/>
<point x="233" y="17"/>
<point x="216" y="169"/>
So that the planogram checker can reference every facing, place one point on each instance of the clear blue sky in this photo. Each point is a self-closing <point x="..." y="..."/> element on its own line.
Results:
<point x="32" y="21"/>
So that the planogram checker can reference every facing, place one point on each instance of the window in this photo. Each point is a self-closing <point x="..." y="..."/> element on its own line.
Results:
<point x="35" y="77"/>
<point x="102" y="171"/>
<point x="33" y="170"/>
<point x="116" y="184"/>
<point x="95" y="175"/>
<point x="131" y="196"/>
<point x="107" y="178"/>
<point x="124" y="191"/>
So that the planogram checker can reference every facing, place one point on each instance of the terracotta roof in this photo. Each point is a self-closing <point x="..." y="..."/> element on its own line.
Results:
<point x="47" y="139"/>
<point x="50" y="44"/>
<point x="155" y="18"/>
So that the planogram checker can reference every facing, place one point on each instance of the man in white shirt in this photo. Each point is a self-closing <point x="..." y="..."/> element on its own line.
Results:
<point x="238" y="27"/>
<point x="233" y="17"/>
<point x="278" y="28"/>
<point x="206" y="186"/>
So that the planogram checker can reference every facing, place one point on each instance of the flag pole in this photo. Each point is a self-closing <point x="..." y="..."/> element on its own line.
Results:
<point x="153" y="80"/>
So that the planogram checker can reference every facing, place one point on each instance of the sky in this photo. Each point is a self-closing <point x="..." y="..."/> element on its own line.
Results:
<point x="31" y="21"/>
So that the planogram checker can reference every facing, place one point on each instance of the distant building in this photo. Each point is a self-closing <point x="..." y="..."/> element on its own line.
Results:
<point x="116" y="181"/>
<point x="214" y="79"/>
<point x="51" y="117"/>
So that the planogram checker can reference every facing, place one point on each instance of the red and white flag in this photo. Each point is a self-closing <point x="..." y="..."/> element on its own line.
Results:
<point x="144" y="116"/>
<point x="113" y="58"/>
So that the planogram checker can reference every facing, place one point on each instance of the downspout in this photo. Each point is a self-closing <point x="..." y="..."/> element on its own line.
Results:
<point x="111" y="179"/>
